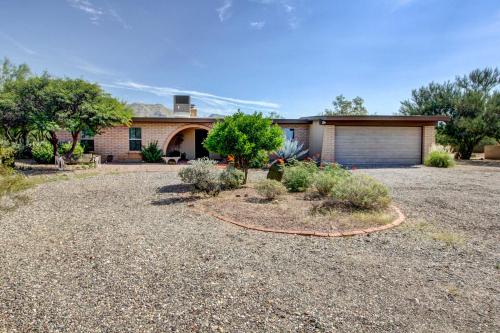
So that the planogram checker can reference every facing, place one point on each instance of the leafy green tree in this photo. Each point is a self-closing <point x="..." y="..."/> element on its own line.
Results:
<point x="346" y="107"/>
<point x="472" y="104"/>
<point x="83" y="106"/>
<point x="11" y="72"/>
<point x="244" y="136"/>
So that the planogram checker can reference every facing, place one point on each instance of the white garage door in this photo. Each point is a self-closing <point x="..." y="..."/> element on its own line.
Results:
<point x="373" y="145"/>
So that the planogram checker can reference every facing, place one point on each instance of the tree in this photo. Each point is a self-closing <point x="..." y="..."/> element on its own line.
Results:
<point x="472" y="104"/>
<point x="274" y="115"/>
<point x="345" y="107"/>
<point x="11" y="72"/>
<point x="243" y="136"/>
<point x="83" y="106"/>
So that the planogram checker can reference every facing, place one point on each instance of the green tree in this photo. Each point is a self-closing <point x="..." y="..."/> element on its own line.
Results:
<point x="11" y="72"/>
<point x="472" y="104"/>
<point x="83" y="106"/>
<point x="244" y="137"/>
<point x="346" y="107"/>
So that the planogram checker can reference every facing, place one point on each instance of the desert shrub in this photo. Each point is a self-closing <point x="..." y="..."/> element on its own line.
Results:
<point x="270" y="189"/>
<point x="336" y="169"/>
<point x="297" y="178"/>
<point x="43" y="152"/>
<point x="259" y="161"/>
<point x="11" y="181"/>
<point x="324" y="182"/>
<point x="310" y="166"/>
<point x="151" y="153"/>
<point x="361" y="191"/>
<point x="231" y="178"/>
<point x="440" y="157"/>
<point x="203" y="175"/>
<point x="65" y="147"/>
<point x="7" y="154"/>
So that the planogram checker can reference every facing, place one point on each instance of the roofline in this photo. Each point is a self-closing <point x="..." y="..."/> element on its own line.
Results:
<point x="173" y="120"/>
<point x="323" y="120"/>
<point x="379" y="118"/>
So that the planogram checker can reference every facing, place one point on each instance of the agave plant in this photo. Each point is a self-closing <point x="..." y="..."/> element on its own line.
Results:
<point x="291" y="150"/>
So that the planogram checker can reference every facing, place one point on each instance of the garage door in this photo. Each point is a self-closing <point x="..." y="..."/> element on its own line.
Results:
<point x="375" y="146"/>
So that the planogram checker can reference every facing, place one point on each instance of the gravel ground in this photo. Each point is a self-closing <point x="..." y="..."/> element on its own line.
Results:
<point x="117" y="252"/>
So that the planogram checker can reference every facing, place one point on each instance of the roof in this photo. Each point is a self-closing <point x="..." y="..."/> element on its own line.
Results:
<point x="324" y="120"/>
<point x="150" y="110"/>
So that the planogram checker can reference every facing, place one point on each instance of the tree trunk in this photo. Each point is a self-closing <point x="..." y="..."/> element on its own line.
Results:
<point x="244" y="166"/>
<point x="465" y="151"/>
<point x="74" y="136"/>
<point x="54" y="141"/>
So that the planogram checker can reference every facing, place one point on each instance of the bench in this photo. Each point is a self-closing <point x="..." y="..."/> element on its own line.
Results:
<point x="167" y="159"/>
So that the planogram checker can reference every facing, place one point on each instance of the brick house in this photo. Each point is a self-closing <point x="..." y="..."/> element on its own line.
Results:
<point x="349" y="140"/>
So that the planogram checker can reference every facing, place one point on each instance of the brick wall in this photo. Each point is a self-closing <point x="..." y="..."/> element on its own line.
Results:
<point x="428" y="139"/>
<point x="301" y="132"/>
<point x="328" y="148"/>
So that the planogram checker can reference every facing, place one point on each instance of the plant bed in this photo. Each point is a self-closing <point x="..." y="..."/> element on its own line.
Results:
<point x="295" y="213"/>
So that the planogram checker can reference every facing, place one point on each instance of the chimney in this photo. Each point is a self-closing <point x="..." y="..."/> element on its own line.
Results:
<point x="194" y="111"/>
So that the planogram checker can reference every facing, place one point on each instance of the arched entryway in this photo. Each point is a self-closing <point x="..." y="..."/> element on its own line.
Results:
<point x="187" y="141"/>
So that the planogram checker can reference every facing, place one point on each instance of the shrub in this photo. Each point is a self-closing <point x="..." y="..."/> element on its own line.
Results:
<point x="11" y="181"/>
<point x="440" y="157"/>
<point x="297" y="178"/>
<point x="43" y="152"/>
<point x="270" y="189"/>
<point x="203" y="175"/>
<point x="151" y="153"/>
<point x="260" y="161"/>
<point x="361" y="191"/>
<point x="65" y="147"/>
<point x="324" y="182"/>
<point x="231" y="178"/>
<point x="336" y="170"/>
<point x="7" y="154"/>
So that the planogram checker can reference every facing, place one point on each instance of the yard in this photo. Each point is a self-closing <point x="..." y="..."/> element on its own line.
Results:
<point x="119" y="251"/>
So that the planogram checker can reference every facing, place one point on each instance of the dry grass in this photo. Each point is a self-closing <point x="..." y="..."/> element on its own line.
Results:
<point x="431" y="231"/>
<point x="293" y="211"/>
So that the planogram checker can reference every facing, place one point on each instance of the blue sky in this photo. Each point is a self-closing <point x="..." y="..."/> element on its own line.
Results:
<point x="291" y="56"/>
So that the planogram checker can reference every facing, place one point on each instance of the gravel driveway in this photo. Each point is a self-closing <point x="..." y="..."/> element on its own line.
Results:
<point x="122" y="252"/>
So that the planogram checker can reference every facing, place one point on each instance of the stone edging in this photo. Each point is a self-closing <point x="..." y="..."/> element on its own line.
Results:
<point x="401" y="217"/>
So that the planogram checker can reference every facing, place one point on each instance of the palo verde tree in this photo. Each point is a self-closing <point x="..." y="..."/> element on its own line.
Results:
<point x="471" y="102"/>
<point x="346" y="107"/>
<point x="243" y="136"/>
<point x="84" y="106"/>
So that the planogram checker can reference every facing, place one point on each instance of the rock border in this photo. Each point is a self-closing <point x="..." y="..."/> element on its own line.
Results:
<point x="400" y="219"/>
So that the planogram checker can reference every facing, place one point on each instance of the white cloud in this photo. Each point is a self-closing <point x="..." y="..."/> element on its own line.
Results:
<point x="288" y="7"/>
<point x="224" y="10"/>
<point x="17" y="44"/>
<point x="88" y="7"/>
<point x="224" y="105"/>
<point x="95" y="13"/>
<point x="91" y="68"/>
<point x="258" y="25"/>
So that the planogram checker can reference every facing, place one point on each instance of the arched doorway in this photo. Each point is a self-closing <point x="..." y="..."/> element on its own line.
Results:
<point x="187" y="141"/>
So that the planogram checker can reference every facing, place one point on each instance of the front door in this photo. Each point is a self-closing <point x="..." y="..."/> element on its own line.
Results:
<point x="199" y="136"/>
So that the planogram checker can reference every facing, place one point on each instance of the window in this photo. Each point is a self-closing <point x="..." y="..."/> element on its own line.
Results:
<point x="289" y="133"/>
<point x="134" y="139"/>
<point x="87" y="141"/>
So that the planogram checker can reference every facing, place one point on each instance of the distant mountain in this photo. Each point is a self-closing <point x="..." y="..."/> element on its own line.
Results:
<point x="150" y="110"/>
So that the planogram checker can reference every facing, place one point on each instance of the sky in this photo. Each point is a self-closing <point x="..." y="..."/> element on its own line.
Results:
<point x="288" y="56"/>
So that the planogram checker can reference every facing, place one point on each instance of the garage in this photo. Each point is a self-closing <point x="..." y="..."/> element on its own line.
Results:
<point x="378" y="145"/>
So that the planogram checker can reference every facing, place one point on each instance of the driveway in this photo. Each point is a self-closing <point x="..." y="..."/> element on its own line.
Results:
<point x="121" y="252"/>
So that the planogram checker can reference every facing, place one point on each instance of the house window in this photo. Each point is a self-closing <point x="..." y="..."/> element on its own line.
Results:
<point x="87" y="141"/>
<point x="289" y="133"/>
<point x="134" y="139"/>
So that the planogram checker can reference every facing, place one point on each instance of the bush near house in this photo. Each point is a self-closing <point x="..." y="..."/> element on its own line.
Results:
<point x="7" y="154"/>
<point x="42" y="152"/>
<point x="65" y="148"/>
<point x="298" y="178"/>
<point x="361" y="191"/>
<point x="152" y="153"/>
<point x="324" y="183"/>
<point x="440" y="157"/>
<point x="231" y="178"/>
<point x="270" y="189"/>
<point x="203" y="175"/>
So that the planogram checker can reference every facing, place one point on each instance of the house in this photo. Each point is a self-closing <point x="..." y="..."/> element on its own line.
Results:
<point x="348" y="140"/>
